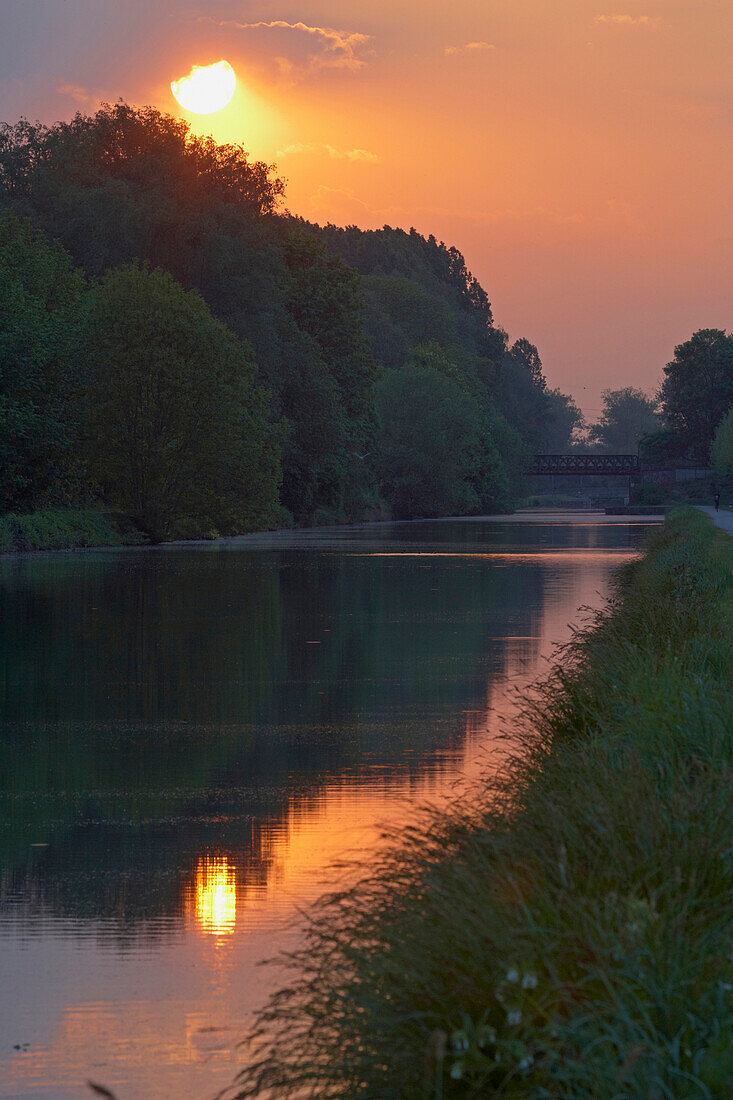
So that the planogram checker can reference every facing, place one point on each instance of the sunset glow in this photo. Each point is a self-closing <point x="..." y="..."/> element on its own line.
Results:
<point x="578" y="155"/>
<point x="206" y="89"/>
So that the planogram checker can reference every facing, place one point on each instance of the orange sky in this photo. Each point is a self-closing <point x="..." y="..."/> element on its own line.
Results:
<point x="579" y="153"/>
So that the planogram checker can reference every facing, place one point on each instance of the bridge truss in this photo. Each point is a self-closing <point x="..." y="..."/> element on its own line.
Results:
<point x="584" y="464"/>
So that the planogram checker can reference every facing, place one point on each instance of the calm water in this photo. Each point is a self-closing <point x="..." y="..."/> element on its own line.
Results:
<point x="192" y="738"/>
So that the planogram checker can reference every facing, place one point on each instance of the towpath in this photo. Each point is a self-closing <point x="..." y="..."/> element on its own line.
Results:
<point x="723" y="519"/>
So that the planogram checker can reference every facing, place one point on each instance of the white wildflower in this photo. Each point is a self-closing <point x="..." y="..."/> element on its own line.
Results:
<point x="512" y="975"/>
<point x="514" y="1017"/>
<point x="529" y="981"/>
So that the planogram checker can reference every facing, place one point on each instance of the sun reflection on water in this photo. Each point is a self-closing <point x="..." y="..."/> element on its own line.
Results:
<point x="216" y="896"/>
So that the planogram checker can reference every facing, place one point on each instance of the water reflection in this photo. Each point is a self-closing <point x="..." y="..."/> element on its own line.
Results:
<point x="215" y="896"/>
<point x="193" y="740"/>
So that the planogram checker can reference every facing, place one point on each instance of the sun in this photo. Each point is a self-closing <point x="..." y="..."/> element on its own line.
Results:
<point x="206" y="89"/>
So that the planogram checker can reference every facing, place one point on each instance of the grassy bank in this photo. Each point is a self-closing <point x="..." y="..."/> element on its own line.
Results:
<point x="64" y="529"/>
<point x="568" y="933"/>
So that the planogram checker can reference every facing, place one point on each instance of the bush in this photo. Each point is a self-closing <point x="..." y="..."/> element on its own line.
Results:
<point x="6" y="535"/>
<point x="64" y="529"/>
<point x="722" y="450"/>
<point x="653" y="494"/>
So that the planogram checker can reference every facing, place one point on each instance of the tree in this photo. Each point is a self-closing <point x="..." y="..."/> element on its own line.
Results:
<point x="177" y="434"/>
<point x="325" y="299"/>
<point x="42" y="299"/>
<point x="697" y="390"/>
<point x="137" y="145"/>
<point x="563" y="420"/>
<point x="523" y="398"/>
<point x="627" y="415"/>
<point x="527" y="358"/>
<point x="721" y="451"/>
<point x="436" y="454"/>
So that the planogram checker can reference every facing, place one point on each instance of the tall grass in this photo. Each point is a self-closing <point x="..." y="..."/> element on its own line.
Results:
<point x="567" y="934"/>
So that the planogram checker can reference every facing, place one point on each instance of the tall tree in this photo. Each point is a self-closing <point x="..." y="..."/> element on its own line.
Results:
<point x="697" y="390"/>
<point x="627" y="415"/>
<point x="42" y="297"/>
<point x="176" y="431"/>
<point x="721" y="451"/>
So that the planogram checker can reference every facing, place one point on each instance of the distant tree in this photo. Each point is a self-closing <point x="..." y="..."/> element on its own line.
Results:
<point x="697" y="390"/>
<point x="563" y="422"/>
<point x="526" y="356"/>
<point x="627" y="415"/>
<point x="42" y="301"/>
<point x="436" y="454"/>
<point x="177" y="434"/>
<point x="545" y="419"/>
<point x="721" y="452"/>
<point x="662" y="447"/>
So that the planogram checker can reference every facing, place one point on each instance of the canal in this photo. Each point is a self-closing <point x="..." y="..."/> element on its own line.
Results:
<point x="196" y="740"/>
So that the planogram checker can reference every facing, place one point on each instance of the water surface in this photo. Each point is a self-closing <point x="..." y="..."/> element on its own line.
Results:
<point x="193" y="738"/>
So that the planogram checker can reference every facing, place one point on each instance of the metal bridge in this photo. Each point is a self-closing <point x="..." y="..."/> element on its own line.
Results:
<point x="584" y="464"/>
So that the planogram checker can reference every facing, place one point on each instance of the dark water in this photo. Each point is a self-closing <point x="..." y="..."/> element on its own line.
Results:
<point x="192" y="738"/>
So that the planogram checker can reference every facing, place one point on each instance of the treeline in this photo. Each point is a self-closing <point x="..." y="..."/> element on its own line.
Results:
<point x="684" y="420"/>
<point x="174" y="348"/>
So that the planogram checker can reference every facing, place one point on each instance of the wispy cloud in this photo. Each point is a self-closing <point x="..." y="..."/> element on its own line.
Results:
<point x="80" y="95"/>
<point x="651" y="22"/>
<point x="470" y="47"/>
<point x="331" y="48"/>
<point x="330" y="151"/>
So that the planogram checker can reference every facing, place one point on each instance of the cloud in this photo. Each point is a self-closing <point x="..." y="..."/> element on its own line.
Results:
<point x="332" y="49"/>
<point x="81" y="96"/>
<point x="334" y="153"/>
<point x="651" y="22"/>
<point x="470" y="47"/>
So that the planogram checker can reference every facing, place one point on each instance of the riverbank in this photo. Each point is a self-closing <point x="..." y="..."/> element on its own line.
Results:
<point x="565" y="933"/>
<point x="71" y="529"/>
<point x="65" y="529"/>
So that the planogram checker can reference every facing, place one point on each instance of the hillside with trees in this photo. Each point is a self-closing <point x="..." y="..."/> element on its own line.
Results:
<point x="175" y="347"/>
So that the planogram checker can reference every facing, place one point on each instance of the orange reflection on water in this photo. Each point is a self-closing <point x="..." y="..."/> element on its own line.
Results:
<point x="215" y="896"/>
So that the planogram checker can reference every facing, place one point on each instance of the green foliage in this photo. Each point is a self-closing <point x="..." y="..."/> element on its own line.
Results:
<point x="436" y="450"/>
<point x="439" y="270"/>
<point x="63" y="529"/>
<point x="627" y="416"/>
<point x="545" y="419"/>
<point x="721" y="451"/>
<point x="138" y="147"/>
<point x="7" y="540"/>
<point x="652" y="494"/>
<point x="177" y="435"/>
<point x="566" y="932"/>
<point x="42" y="298"/>
<point x="325" y="310"/>
<point x="697" y="390"/>
<point x="661" y="448"/>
